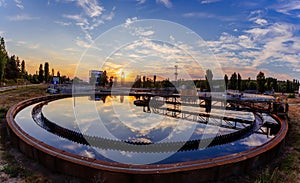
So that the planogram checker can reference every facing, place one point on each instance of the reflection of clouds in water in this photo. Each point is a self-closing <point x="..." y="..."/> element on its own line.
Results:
<point x="105" y="110"/>
<point x="25" y="121"/>
<point x="255" y="140"/>
<point x="61" y="112"/>
<point x="127" y="154"/>
<point x="124" y="120"/>
<point x="268" y="118"/>
<point x="240" y="114"/>
<point x="71" y="146"/>
<point x="86" y="153"/>
<point x="76" y="148"/>
<point x="22" y="118"/>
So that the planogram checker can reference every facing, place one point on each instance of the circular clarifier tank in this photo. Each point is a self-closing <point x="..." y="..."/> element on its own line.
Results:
<point x="130" y="139"/>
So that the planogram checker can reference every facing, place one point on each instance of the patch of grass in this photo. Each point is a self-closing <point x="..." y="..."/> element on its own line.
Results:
<point x="8" y="157"/>
<point x="12" y="171"/>
<point x="289" y="163"/>
<point x="3" y="111"/>
<point x="269" y="176"/>
<point x="37" y="179"/>
<point x="15" y="170"/>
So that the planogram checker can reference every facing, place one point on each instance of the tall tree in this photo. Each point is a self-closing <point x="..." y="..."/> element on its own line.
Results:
<point x="52" y="72"/>
<point x="251" y="85"/>
<point x="23" y="70"/>
<point x="46" y="72"/>
<point x="12" y="68"/>
<point x="41" y="74"/>
<point x="166" y="83"/>
<point x="239" y="82"/>
<point x="233" y="81"/>
<point x="3" y="58"/>
<point x="274" y="84"/>
<point x="260" y="79"/>
<point x="226" y="81"/>
<point x="103" y="79"/>
<point x="111" y="81"/>
<point x="137" y="82"/>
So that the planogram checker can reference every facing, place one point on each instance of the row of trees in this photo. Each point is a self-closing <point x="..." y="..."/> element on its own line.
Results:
<point x="151" y="82"/>
<point x="12" y="69"/>
<point x="235" y="82"/>
<point x="44" y="76"/>
<point x="261" y="84"/>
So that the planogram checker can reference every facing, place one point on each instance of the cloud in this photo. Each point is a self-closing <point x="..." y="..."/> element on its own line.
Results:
<point x="2" y="3"/>
<point x="22" y="17"/>
<point x="34" y="46"/>
<point x="90" y="19"/>
<point x="27" y="45"/>
<point x="148" y="57"/>
<point x="109" y="16"/>
<point x="199" y="15"/>
<point x="142" y="32"/>
<point x="21" y="43"/>
<point x="256" y="17"/>
<point x="141" y="1"/>
<point x="77" y="18"/>
<point x="256" y="13"/>
<point x="287" y="7"/>
<point x="71" y="49"/>
<point x="166" y="3"/>
<point x="260" y="21"/>
<point x="82" y="44"/>
<point x="130" y="20"/>
<point x="257" y="33"/>
<point x="63" y="23"/>
<point x="209" y="1"/>
<point x="205" y="15"/>
<point x="275" y="48"/>
<point x="19" y="4"/>
<point x="91" y="7"/>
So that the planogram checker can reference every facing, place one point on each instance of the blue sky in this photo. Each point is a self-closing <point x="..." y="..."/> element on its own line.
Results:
<point x="244" y="36"/>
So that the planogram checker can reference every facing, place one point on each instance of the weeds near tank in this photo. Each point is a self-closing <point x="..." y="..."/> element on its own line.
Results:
<point x="12" y="168"/>
<point x="269" y="176"/>
<point x="3" y="111"/>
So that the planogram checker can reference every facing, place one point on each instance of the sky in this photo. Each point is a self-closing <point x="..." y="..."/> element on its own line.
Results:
<point x="142" y="37"/>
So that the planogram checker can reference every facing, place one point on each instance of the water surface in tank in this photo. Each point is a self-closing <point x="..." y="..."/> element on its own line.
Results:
<point x="121" y="120"/>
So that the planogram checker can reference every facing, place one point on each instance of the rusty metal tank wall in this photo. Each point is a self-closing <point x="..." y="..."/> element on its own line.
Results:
<point x="88" y="169"/>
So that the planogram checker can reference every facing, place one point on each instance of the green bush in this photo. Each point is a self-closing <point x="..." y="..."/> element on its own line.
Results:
<point x="3" y="112"/>
<point x="291" y="95"/>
